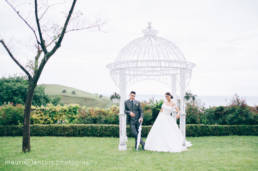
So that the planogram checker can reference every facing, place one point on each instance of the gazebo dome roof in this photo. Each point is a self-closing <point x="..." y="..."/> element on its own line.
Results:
<point x="150" y="47"/>
<point x="149" y="57"/>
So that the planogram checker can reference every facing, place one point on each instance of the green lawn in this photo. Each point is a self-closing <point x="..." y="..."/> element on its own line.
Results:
<point x="92" y="153"/>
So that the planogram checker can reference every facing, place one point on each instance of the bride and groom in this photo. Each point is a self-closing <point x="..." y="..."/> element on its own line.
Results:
<point x="164" y="136"/>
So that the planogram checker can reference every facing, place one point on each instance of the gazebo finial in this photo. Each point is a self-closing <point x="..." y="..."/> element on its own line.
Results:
<point x="149" y="31"/>
<point x="149" y="25"/>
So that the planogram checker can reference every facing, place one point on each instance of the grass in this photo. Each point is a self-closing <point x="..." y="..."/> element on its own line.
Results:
<point x="80" y="97"/>
<point x="92" y="153"/>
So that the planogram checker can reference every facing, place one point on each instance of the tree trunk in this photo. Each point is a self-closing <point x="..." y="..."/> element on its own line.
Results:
<point x="27" y="110"/>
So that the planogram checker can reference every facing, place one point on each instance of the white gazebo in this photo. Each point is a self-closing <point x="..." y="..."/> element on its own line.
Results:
<point x="150" y="57"/>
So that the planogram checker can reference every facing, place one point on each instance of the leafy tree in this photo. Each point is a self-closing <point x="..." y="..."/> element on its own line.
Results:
<point x="14" y="89"/>
<point x="115" y="95"/>
<point x="189" y="97"/>
<point x="56" y="100"/>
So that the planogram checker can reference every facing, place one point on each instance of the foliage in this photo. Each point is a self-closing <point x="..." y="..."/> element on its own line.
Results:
<point x="51" y="114"/>
<point x="237" y="113"/>
<point x="155" y="108"/>
<point x="147" y="114"/>
<point x="14" y="90"/>
<point x="237" y="101"/>
<point x="112" y="130"/>
<point x="229" y="115"/>
<point x="11" y="115"/>
<point x="54" y="114"/>
<point x="98" y="116"/>
<point x="56" y="100"/>
<point x="190" y="98"/>
<point x="115" y="95"/>
<point x="194" y="114"/>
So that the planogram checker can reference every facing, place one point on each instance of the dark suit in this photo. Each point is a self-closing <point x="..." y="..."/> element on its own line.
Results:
<point x="135" y="107"/>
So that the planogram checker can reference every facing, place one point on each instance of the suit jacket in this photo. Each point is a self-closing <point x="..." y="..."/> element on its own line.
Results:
<point x="134" y="107"/>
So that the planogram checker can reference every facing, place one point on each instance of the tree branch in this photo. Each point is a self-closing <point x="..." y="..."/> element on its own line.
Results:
<point x="23" y="19"/>
<point x="47" y="8"/>
<point x="75" y="29"/>
<point x="58" y="43"/>
<point x="13" y="58"/>
<point x="86" y="28"/>
<point x="42" y="41"/>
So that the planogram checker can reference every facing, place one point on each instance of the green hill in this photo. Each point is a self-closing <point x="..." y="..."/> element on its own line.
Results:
<point x="70" y="95"/>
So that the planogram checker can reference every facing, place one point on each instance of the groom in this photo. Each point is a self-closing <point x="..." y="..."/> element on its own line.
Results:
<point x="134" y="111"/>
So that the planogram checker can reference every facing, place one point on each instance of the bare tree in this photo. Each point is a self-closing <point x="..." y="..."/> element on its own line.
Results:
<point x="45" y="49"/>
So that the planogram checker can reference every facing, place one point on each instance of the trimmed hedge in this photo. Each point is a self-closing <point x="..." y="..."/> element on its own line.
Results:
<point x="109" y="130"/>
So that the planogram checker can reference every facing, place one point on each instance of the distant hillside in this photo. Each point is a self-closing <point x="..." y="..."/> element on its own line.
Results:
<point x="79" y="97"/>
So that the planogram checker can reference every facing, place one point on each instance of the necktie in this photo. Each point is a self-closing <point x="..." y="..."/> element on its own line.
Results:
<point x="132" y="104"/>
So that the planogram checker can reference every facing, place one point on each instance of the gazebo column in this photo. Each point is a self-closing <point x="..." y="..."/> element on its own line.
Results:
<point x="182" y="103"/>
<point x="122" y="116"/>
<point x="173" y="87"/>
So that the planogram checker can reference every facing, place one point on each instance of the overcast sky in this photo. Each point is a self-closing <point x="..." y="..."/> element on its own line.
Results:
<point x="219" y="36"/>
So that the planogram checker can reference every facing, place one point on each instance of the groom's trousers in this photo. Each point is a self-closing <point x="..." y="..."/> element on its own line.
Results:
<point x="134" y="129"/>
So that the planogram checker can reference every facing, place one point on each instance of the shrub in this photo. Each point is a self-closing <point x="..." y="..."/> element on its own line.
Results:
<point x="147" y="117"/>
<point x="155" y="107"/>
<point x="111" y="130"/>
<point x="98" y="116"/>
<point x="194" y="114"/>
<point x="54" y="114"/>
<point x="147" y="113"/>
<point x="51" y="114"/>
<point x="11" y="115"/>
<point x="56" y="100"/>
<point x="230" y="115"/>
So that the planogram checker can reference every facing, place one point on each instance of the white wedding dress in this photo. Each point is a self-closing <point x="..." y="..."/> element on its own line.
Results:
<point x="165" y="136"/>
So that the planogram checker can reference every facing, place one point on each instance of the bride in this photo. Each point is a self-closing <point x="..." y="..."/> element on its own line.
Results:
<point x="165" y="136"/>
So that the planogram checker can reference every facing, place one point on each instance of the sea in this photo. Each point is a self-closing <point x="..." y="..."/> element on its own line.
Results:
<point x="207" y="101"/>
